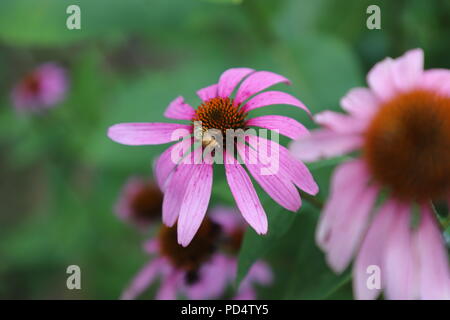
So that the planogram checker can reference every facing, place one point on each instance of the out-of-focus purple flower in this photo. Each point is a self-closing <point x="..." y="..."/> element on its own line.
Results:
<point x="198" y="271"/>
<point x="40" y="89"/>
<point x="140" y="202"/>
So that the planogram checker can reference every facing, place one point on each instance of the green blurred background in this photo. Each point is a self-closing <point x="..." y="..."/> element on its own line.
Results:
<point x="60" y="175"/>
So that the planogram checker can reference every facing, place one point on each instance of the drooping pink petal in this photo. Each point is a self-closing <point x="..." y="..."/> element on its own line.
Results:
<point x="434" y="276"/>
<point x="408" y="69"/>
<point x="143" y="279"/>
<point x="341" y="123"/>
<point x="324" y="143"/>
<point x="168" y="160"/>
<point x="208" y="93"/>
<point x="290" y="168"/>
<point x="437" y="80"/>
<point x="381" y="79"/>
<point x="245" y="196"/>
<point x="350" y="223"/>
<point x="399" y="262"/>
<point x="195" y="202"/>
<point x="175" y="191"/>
<point x="169" y="286"/>
<point x="286" y="126"/>
<point x="134" y="134"/>
<point x="342" y="184"/>
<point x="230" y="79"/>
<point x="273" y="97"/>
<point x="268" y="177"/>
<point x="257" y="82"/>
<point x="360" y="102"/>
<point x="180" y="110"/>
<point x="371" y="252"/>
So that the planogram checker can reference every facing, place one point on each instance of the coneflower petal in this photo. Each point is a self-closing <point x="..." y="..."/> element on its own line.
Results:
<point x="230" y="79"/>
<point x="360" y="102"/>
<point x="342" y="181"/>
<point x="371" y="252"/>
<point x="340" y="122"/>
<point x="195" y="201"/>
<point x="286" y="126"/>
<point x="143" y="279"/>
<point x="324" y="143"/>
<point x="408" y="69"/>
<point x="273" y="97"/>
<point x="213" y="279"/>
<point x="268" y="177"/>
<point x="245" y="195"/>
<point x="169" y="286"/>
<point x="437" y="80"/>
<point x="257" y="82"/>
<point x="168" y="160"/>
<point x="434" y="276"/>
<point x="147" y="133"/>
<point x="207" y="93"/>
<point x="399" y="261"/>
<point x="179" y="110"/>
<point x="175" y="191"/>
<point x="290" y="168"/>
<point x="350" y="225"/>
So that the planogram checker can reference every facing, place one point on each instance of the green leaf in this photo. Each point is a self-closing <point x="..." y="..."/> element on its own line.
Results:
<point x="312" y="278"/>
<point x="22" y="22"/>
<point x="224" y="1"/>
<point x="256" y="246"/>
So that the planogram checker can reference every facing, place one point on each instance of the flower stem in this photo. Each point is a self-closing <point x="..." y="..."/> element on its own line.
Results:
<point x="314" y="201"/>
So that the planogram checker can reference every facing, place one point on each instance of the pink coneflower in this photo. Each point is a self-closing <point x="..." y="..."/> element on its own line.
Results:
<point x="187" y="186"/>
<point x="200" y="270"/>
<point x="196" y="271"/>
<point x="140" y="202"/>
<point x="41" y="89"/>
<point x="401" y="124"/>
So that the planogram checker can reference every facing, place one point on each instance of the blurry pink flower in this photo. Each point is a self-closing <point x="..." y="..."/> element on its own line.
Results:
<point x="401" y="123"/>
<point x="42" y="88"/>
<point x="196" y="271"/>
<point x="187" y="187"/>
<point x="140" y="202"/>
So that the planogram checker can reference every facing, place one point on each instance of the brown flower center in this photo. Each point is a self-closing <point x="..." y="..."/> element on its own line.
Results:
<point x="146" y="204"/>
<point x="219" y="115"/>
<point x="407" y="145"/>
<point x="234" y="241"/>
<point x="198" y="251"/>
<point x="32" y="84"/>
